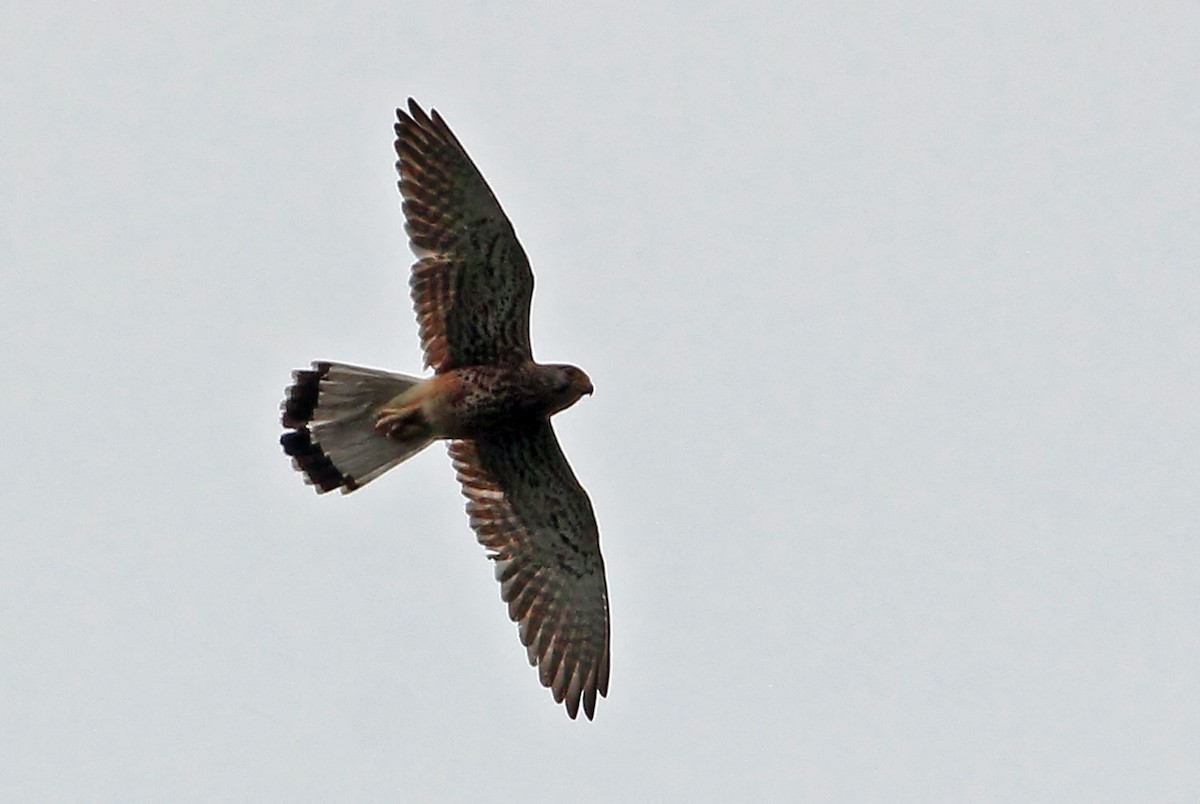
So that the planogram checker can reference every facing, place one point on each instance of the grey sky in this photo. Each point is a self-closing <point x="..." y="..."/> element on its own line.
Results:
<point x="893" y="320"/>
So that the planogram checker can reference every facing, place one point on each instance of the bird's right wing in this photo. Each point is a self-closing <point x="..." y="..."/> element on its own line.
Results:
<point x="471" y="284"/>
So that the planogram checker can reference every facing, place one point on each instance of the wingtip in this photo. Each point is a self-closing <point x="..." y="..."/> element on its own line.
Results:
<point x="417" y="114"/>
<point x="411" y="112"/>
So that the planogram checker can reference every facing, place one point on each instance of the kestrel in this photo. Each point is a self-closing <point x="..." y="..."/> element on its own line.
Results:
<point x="471" y="287"/>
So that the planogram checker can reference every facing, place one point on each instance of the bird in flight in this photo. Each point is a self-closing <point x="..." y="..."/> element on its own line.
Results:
<point x="471" y="288"/>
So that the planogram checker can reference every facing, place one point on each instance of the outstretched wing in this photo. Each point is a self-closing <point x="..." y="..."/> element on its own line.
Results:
<point x="528" y="509"/>
<point x="471" y="284"/>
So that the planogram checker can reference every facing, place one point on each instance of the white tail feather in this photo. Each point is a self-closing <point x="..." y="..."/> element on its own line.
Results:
<point x="333" y="409"/>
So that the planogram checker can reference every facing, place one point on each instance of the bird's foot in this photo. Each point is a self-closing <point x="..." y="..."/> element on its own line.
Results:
<point x="397" y="423"/>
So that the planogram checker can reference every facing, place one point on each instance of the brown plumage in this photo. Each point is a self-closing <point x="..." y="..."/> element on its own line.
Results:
<point x="471" y="288"/>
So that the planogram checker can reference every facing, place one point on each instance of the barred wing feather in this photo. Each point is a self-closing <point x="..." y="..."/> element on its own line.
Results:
<point x="528" y="509"/>
<point x="471" y="285"/>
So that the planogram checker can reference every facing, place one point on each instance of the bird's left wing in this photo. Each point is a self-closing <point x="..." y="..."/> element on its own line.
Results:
<point x="529" y="510"/>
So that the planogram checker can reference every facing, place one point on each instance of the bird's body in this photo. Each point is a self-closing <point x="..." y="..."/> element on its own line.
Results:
<point x="472" y="287"/>
<point x="476" y="400"/>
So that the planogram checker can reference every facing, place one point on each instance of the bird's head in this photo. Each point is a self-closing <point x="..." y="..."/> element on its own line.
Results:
<point x="569" y="384"/>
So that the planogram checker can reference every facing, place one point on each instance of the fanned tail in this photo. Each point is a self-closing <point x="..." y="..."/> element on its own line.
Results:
<point x="331" y="410"/>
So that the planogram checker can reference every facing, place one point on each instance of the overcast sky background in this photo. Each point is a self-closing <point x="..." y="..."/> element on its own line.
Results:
<point x="894" y="321"/>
